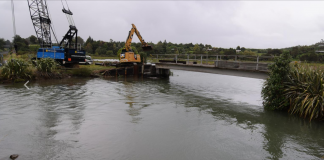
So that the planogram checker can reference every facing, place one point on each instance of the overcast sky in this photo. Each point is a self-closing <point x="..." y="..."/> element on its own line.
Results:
<point x="250" y="24"/>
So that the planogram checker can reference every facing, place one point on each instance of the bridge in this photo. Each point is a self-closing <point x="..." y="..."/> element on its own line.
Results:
<point x="233" y="65"/>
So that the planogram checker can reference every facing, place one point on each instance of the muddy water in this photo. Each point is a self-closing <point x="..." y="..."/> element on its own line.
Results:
<point x="188" y="116"/>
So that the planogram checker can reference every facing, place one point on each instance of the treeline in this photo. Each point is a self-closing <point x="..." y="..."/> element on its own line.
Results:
<point x="110" y="48"/>
<point x="25" y="45"/>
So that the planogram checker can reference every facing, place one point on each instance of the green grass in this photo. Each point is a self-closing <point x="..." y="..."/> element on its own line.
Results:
<point x="94" y="67"/>
<point x="102" y="57"/>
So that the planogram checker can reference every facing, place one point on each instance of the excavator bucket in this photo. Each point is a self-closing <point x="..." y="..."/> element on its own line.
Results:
<point x="147" y="48"/>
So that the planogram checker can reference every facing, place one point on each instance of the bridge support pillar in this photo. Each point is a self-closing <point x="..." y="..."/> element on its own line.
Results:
<point x="188" y="59"/>
<point x="257" y="64"/>
<point x="162" y="72"/>
<point x="216" y="62"/>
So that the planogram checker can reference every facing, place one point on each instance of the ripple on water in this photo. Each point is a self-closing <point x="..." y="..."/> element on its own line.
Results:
<point x="190" y="116"/>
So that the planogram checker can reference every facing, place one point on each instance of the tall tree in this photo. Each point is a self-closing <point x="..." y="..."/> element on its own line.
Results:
<point x="196" y="49"/>
<point x="80" y="40"/>
<point x="32" y="39"/>
<point x="2" y="43"/>
<point x="243" y="49"/>
<point x="21" y="43"/>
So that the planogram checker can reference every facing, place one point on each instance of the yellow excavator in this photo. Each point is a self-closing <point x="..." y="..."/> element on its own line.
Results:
<point x="127" y="55"/>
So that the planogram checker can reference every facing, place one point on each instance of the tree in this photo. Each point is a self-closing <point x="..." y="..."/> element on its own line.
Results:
<point x="238" y="48"/>
<point x="89" y="40"/>
<point x="110" y="53"/>
<point x="249" y="53"/>
<point x="294" y="52"/>
<point x="89" y="49"/>
<point x="32" y="39"/>
<point x="230" y="51"/>
<point x="2" y="43"/>
<point x="164" y="47"/>
<point x="243" y="49"/>
<point x="273" y="88"/>
<point x="159" y="48"/>
<point x="274" y="52"/>
<point x="100" y="51"/>
<point x="196" y="49"/>
<point x="80" y="40"/>
<point x="22" y="44"/>
<point x="114" y="48"/>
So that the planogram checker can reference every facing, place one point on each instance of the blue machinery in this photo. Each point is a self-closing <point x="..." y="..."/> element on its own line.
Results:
<point x="66" y="52"/>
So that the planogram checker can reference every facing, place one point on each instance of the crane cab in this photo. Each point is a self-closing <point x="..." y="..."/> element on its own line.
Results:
<point x="129" y="56"/>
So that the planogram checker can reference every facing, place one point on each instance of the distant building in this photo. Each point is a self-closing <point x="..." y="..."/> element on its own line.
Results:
<point x="238" y="51"/>
<point x="319" y="47"/>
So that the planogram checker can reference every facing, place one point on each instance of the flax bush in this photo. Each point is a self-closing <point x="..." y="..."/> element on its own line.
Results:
<point x="16" y="69"/>
<point x="305" y="91"/>
<point x="46" y="65"/>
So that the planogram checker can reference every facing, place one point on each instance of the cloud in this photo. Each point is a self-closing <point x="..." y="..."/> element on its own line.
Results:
<point x="253" y="24"/>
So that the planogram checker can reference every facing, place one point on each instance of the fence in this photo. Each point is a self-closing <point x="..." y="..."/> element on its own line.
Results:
<point x="221" y="61"/>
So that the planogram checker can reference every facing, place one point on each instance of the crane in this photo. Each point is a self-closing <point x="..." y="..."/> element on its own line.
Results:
<point x="127" y="55"/>
<point x="66" y="52"/>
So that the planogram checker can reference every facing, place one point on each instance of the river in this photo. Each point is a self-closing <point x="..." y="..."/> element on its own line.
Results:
<point x="188" y="116"/>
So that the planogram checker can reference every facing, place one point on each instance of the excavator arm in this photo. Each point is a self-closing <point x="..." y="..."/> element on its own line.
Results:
<point x="128" y="43"/>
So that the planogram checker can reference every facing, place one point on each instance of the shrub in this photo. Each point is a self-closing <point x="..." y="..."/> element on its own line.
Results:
<point x="305" y="91"/>
<point x="46" y="65"/>
<point x="272" y="90"/>
<point x="16" y="69"/>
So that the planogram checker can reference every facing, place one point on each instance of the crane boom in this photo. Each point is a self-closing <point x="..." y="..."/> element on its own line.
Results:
<point x="128" y="43"/>
<point x="66" y="55"/>
<point x="41" y="21"/>
<point x="127" y="56"/>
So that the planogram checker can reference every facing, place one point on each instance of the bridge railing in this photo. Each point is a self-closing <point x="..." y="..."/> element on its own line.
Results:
<point x="222" y="61"/>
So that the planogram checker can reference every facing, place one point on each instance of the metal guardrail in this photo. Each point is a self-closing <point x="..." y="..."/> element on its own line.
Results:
<point x="206" y="58"/>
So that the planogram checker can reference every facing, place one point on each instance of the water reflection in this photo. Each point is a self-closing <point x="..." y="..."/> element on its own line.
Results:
<point x="57" y="102"/>
<point x="129" y="118"/>
<point x="281" y="132"/>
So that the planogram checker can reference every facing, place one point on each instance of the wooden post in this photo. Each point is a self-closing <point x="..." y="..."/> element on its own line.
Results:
<point x="188" y="58"/>
<point x="176" y="58"/>
<point x="257" y="65"/>
<point x="207" y="59"/>
<point x="235" y="58"/>
<point x="217" y="61"/>
<point x="200" y="59"/>
<point x="116" y="72"/>
<point x="142" y="69"/>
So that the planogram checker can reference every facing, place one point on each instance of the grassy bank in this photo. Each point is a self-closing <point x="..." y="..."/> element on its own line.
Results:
<point x="102" y="57"/>
<point x="20" y="68"/>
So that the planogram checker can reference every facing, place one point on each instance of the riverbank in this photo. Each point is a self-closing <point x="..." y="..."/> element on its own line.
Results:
<point x="22" y="69"/>
<point x="295" y="87"/>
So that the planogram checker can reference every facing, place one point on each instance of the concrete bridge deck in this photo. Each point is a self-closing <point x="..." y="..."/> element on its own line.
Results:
<point x="232" y="68"/>
<point x="216" y="70"/>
